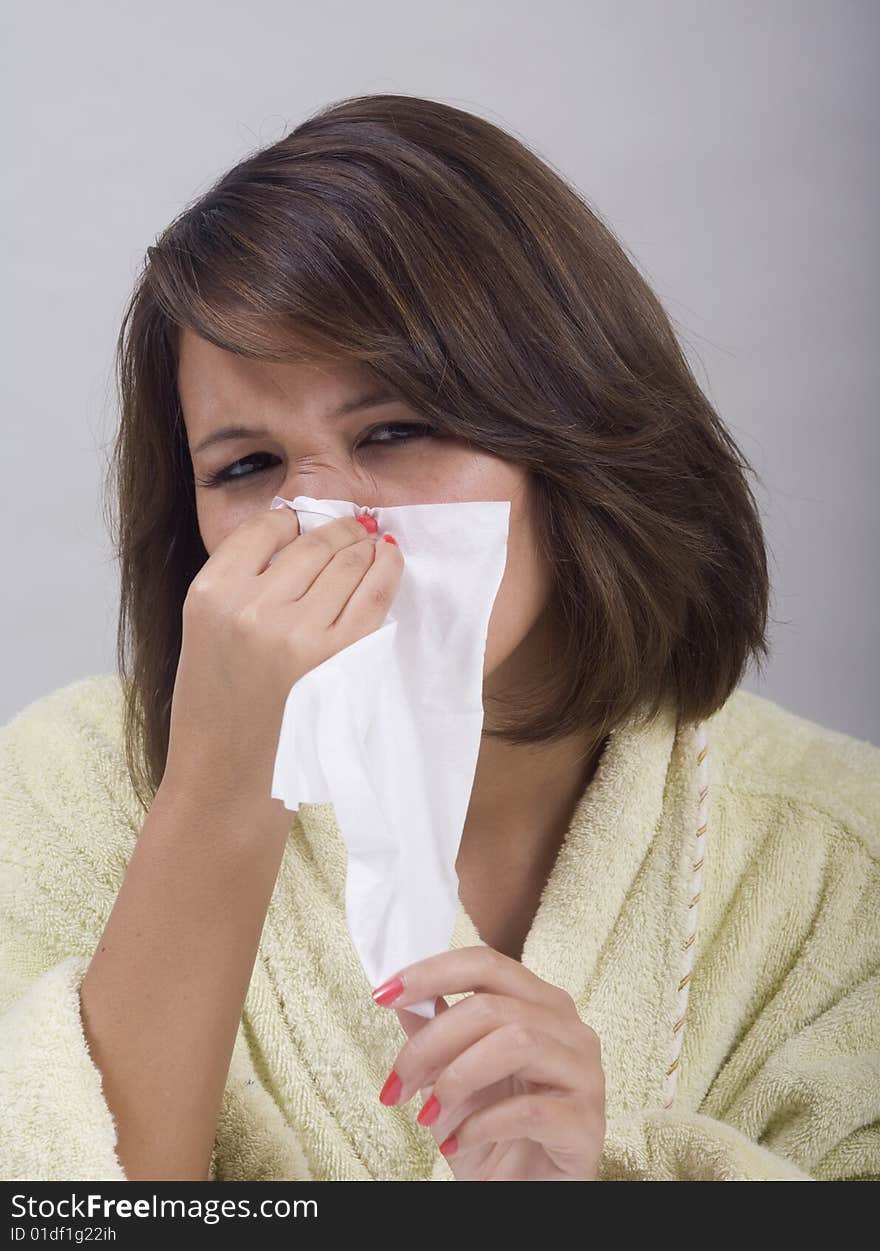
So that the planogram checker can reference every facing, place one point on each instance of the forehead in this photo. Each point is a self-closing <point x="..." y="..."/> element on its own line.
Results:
<point x="210" y="379"/>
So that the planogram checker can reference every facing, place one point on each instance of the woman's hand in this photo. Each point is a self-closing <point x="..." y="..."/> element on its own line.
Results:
<point x="511" y="1075"/>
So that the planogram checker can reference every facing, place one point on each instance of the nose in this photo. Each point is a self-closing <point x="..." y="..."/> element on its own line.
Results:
<point x="328" y="486"/>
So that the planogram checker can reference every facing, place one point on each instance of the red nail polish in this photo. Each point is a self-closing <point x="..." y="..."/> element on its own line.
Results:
<point x="449" y="1146"/>
<point x="368" y="522"/>
<point x="390" y="1092"/>
<point x="388" y="992"/>
<point x="430" y="1111"/>
<point x="389" y="538"/>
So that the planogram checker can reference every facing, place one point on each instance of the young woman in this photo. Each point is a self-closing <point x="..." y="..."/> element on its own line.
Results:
<point x="665" y="961"/>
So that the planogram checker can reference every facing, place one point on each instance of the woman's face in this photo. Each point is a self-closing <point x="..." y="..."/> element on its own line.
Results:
<point x="307" y="449"/>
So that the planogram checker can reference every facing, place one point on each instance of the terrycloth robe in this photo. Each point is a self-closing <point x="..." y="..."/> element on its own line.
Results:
<point x="730" y="965"/>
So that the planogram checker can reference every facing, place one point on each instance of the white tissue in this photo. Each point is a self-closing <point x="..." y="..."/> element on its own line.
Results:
<point x="388" y="729"/>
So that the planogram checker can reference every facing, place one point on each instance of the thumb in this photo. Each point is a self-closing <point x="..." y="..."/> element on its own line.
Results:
<point x="412" y="1022"/>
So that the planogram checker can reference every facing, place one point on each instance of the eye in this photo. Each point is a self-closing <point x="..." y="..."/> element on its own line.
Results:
<point x="417" y="430"/>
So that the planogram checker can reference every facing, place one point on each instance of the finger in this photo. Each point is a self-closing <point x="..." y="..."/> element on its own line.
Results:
<point x="568" y="1129"/>
<point x="296" y="567"/>
<point x="249" y="547"/>
<point x="372" y="596"/>
<point x="412" y="1023"/>
<point x="478" y="968"/>
<point x="515" y="1050"/>
<point x="430" y="1052"/>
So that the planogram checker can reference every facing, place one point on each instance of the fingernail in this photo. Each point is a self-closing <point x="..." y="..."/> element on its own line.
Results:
<point x="389" y="538"/>
<point x="368" y="522"/>
<point x="390" y="1092"/>
<point x="388" y="992"/>
<point x="449" y="1145"/>
<point x="430" y="1111"/>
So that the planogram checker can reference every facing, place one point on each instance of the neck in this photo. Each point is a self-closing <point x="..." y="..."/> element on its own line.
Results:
<point x="524" y="796"/>
<point x="528" y="793"/>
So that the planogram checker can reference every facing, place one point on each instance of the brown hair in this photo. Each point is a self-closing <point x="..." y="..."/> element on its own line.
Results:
<point x="440" y="251"/>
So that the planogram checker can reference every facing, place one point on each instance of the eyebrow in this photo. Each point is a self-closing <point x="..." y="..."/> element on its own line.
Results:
<point x="371" y="399"/>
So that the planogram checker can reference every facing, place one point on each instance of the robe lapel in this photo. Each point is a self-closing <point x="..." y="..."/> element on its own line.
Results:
<point x="607" y="930"/>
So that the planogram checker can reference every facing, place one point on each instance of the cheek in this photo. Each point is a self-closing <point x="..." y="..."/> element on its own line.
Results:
<point x="217" y="518"/>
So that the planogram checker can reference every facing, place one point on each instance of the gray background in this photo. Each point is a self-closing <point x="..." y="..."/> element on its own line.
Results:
<point x="732" y="147"/>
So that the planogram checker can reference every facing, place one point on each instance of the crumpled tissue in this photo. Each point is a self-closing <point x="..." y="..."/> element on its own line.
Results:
<point x="388" y="730"/>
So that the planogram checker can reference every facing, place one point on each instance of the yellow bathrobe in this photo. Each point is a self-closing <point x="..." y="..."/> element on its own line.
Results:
<point x="773" y="1044"/>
